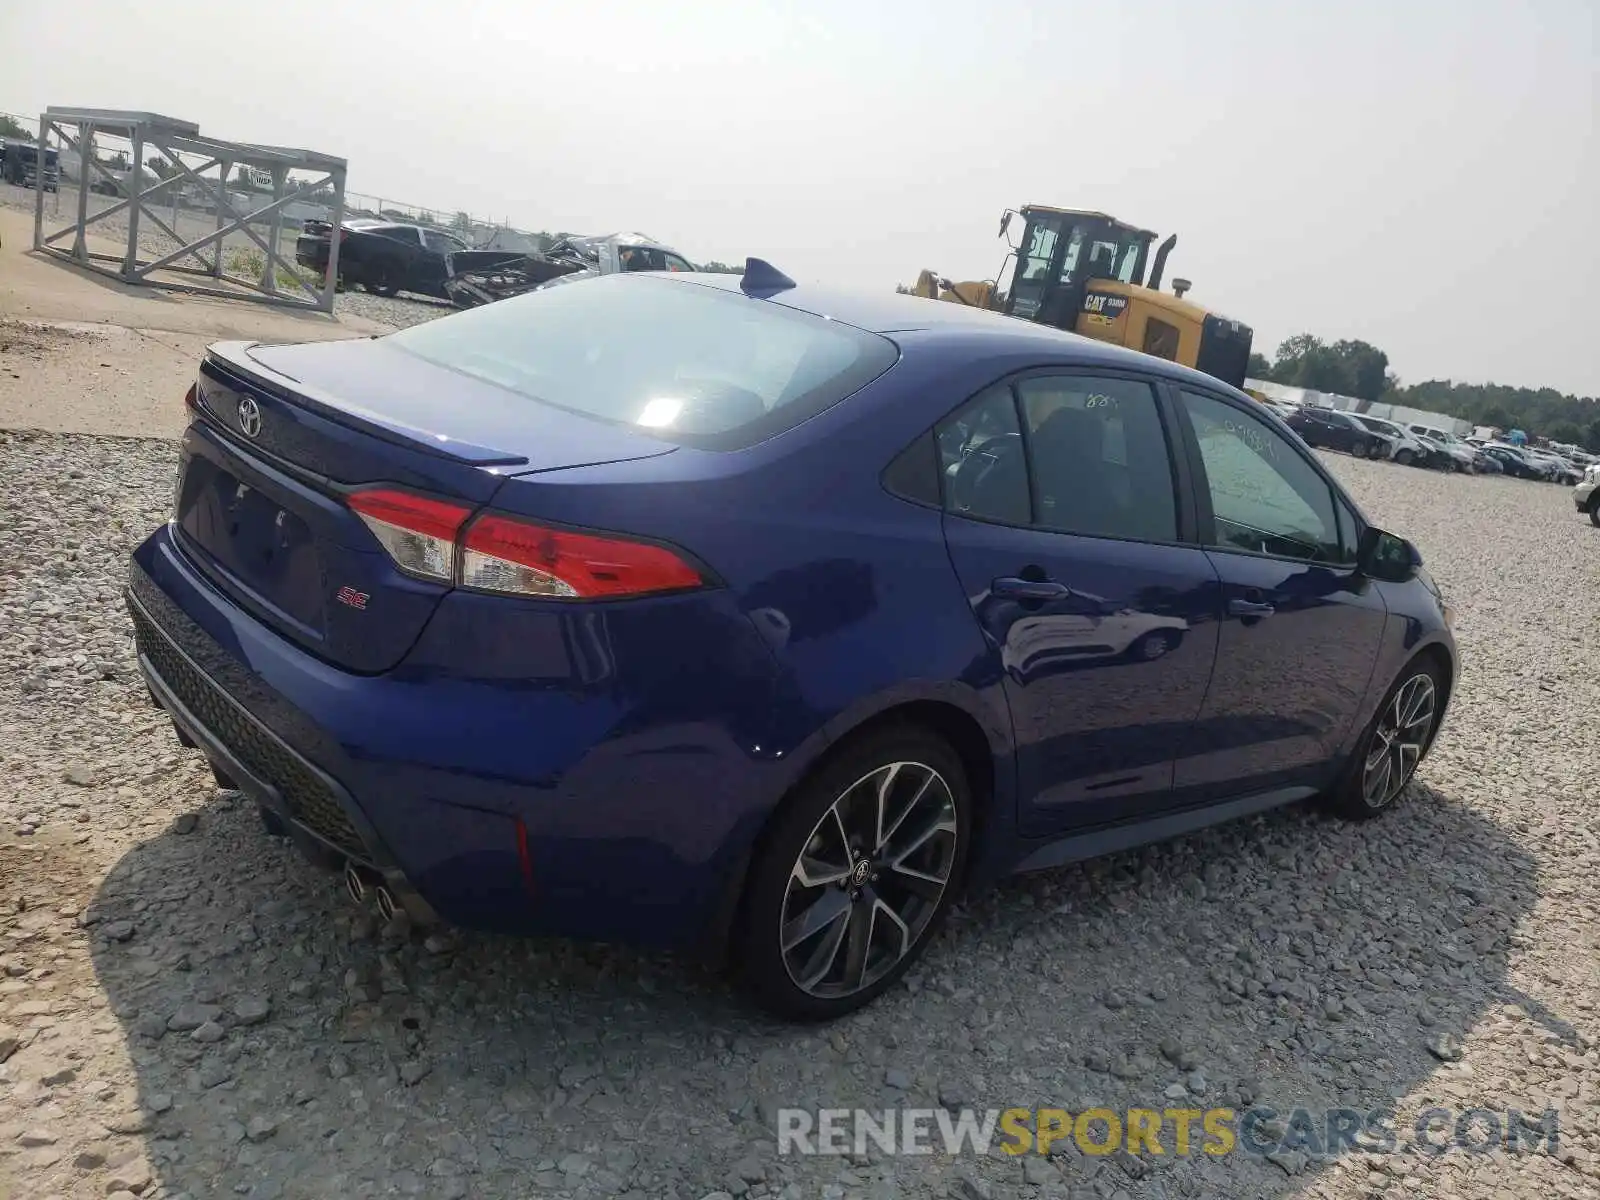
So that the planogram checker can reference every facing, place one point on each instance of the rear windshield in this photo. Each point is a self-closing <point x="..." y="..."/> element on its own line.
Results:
<point x="687" y="363"/>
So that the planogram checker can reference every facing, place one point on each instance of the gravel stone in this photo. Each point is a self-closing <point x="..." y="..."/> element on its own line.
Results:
<point x="1446" y="1047"/>
<point x="190" y="1017"/>
<point x="251" y="1010"/>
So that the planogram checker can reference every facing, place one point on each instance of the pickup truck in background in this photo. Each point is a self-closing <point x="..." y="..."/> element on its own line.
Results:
<point x="19" y="164"/>
<point x="385" y="257"/>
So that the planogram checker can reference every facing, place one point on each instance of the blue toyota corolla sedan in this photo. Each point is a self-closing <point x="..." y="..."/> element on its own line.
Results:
<point x="713" y="612"/>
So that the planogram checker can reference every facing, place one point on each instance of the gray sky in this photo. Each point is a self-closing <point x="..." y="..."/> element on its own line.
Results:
<point x="1422" y="174"/>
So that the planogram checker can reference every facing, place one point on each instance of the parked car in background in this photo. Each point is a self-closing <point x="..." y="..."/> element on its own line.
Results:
<point x="1438" y="454"/>
<point x="1513" y="463"/>
<point x="1488" y="464"/>
<point x="1335" y="430"/>
<point x="1406" y="448"/>
<point x="1560" y="469"/>
<point x="385" y="257"/>
<point x="534" y="617"/>
<point x="19" y="164"/>
<point x="1463" y="456"/>
<point x="1587" y="494"/>
<point x="484" y="276"/>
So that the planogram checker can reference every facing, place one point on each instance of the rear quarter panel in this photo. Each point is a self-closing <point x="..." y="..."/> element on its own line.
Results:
<point x="849" y="589"/>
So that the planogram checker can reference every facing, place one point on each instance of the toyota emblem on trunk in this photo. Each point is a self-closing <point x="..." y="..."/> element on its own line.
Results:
<point x="249" y="417"/>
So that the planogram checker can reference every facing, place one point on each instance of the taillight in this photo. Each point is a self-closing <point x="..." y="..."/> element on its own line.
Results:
<point x="501" y="554"/>
<point x="514" y="557"/>
<point x="419" y="533"/>
<point x="191" y="398"/>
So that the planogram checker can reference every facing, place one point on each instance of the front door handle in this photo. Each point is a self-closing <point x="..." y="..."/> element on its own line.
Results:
<point x="1012" y="588"/>
<point x="1249" y="608"/>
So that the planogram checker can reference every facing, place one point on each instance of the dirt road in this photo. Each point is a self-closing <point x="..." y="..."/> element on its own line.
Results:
<point x="80" y="353"/>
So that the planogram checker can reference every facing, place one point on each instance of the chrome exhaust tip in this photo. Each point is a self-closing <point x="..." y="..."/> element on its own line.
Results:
<point x="354" y="883"/>
<point x="386" y="905"/>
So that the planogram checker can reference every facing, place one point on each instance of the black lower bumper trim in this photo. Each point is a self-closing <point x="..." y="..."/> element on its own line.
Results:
<point x="323" y="820"/>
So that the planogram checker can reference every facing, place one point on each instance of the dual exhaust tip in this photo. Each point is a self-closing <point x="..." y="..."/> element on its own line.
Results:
<point x="363" y="883"/>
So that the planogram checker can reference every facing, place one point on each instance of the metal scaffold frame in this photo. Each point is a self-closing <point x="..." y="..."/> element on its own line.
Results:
<point x="172" y="140"/>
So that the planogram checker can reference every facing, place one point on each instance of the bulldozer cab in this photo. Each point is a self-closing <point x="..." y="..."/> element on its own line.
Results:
<point x="1085" y="272"/>
<point x="1060" y="251"/>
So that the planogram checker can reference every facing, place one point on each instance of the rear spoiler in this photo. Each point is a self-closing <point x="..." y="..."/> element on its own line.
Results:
<point x="318" y="228"/>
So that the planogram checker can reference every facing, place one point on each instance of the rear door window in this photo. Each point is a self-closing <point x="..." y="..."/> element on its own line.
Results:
<point x="1100" y="460"/>
<point x="406" y="235"/>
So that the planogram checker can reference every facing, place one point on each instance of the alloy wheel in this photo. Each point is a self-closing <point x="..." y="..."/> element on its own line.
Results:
<point x="869" y="879"/>
<point x="1153" y="646"/>
<point x="1398" y="741"/>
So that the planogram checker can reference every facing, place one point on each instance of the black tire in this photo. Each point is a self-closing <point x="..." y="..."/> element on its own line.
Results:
<point x="1594" y="509"/>
<point x="1403" y="457"/>
<point x="272" y="822"/>
<point x="380" y="281"/>
<point x="798" y="829"/>
<point x="1352" y="797"/>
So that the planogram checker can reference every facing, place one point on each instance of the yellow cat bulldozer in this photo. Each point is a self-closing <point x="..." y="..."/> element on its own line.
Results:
<point x="1085" y="272"/>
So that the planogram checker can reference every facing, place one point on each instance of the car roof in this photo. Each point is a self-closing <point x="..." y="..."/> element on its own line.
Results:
<point x="887" y="313"/>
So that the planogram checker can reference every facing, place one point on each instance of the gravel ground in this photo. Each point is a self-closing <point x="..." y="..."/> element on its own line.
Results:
<point x="398" y="311"/>
<point x="188" y="1009"/>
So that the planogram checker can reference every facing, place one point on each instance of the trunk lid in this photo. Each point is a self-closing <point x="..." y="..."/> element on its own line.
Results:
<point x="287" y="432"/>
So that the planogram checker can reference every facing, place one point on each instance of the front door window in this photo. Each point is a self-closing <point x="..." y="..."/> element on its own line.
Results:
<point x="1265" y="497"/>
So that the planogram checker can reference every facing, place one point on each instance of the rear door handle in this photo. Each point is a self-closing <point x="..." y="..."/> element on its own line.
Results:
<point x="1249" y="608"/>
<point x="1012" y="588"/>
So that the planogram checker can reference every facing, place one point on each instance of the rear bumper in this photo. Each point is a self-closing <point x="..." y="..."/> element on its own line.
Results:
<point x="323" y="820"/>
<point x="311" y="254"/>
<point x="493" y="802"/>
<point x="1583" y="495"/>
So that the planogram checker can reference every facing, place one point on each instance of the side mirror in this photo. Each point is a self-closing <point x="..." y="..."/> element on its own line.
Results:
<point x="1387" y="557"/>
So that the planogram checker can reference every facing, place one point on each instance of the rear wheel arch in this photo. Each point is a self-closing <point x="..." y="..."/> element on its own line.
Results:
<point x="949" y="743"/>
<point x="952" y="724"/>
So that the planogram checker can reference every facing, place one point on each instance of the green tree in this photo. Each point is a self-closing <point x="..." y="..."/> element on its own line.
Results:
<point x="1366" y="366"/>
<point x="1498" y="417"/>
<point x="1565" y="432"/>
<point x="722" y="268"/>
<point x="1259" y="367"/>
<point x="10" y="127"/>
<point x="1347" y="367"/>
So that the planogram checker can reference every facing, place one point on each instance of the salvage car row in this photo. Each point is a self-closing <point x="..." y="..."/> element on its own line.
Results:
<point x="1368" y="436"/>
<point x="389" y="257"/>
